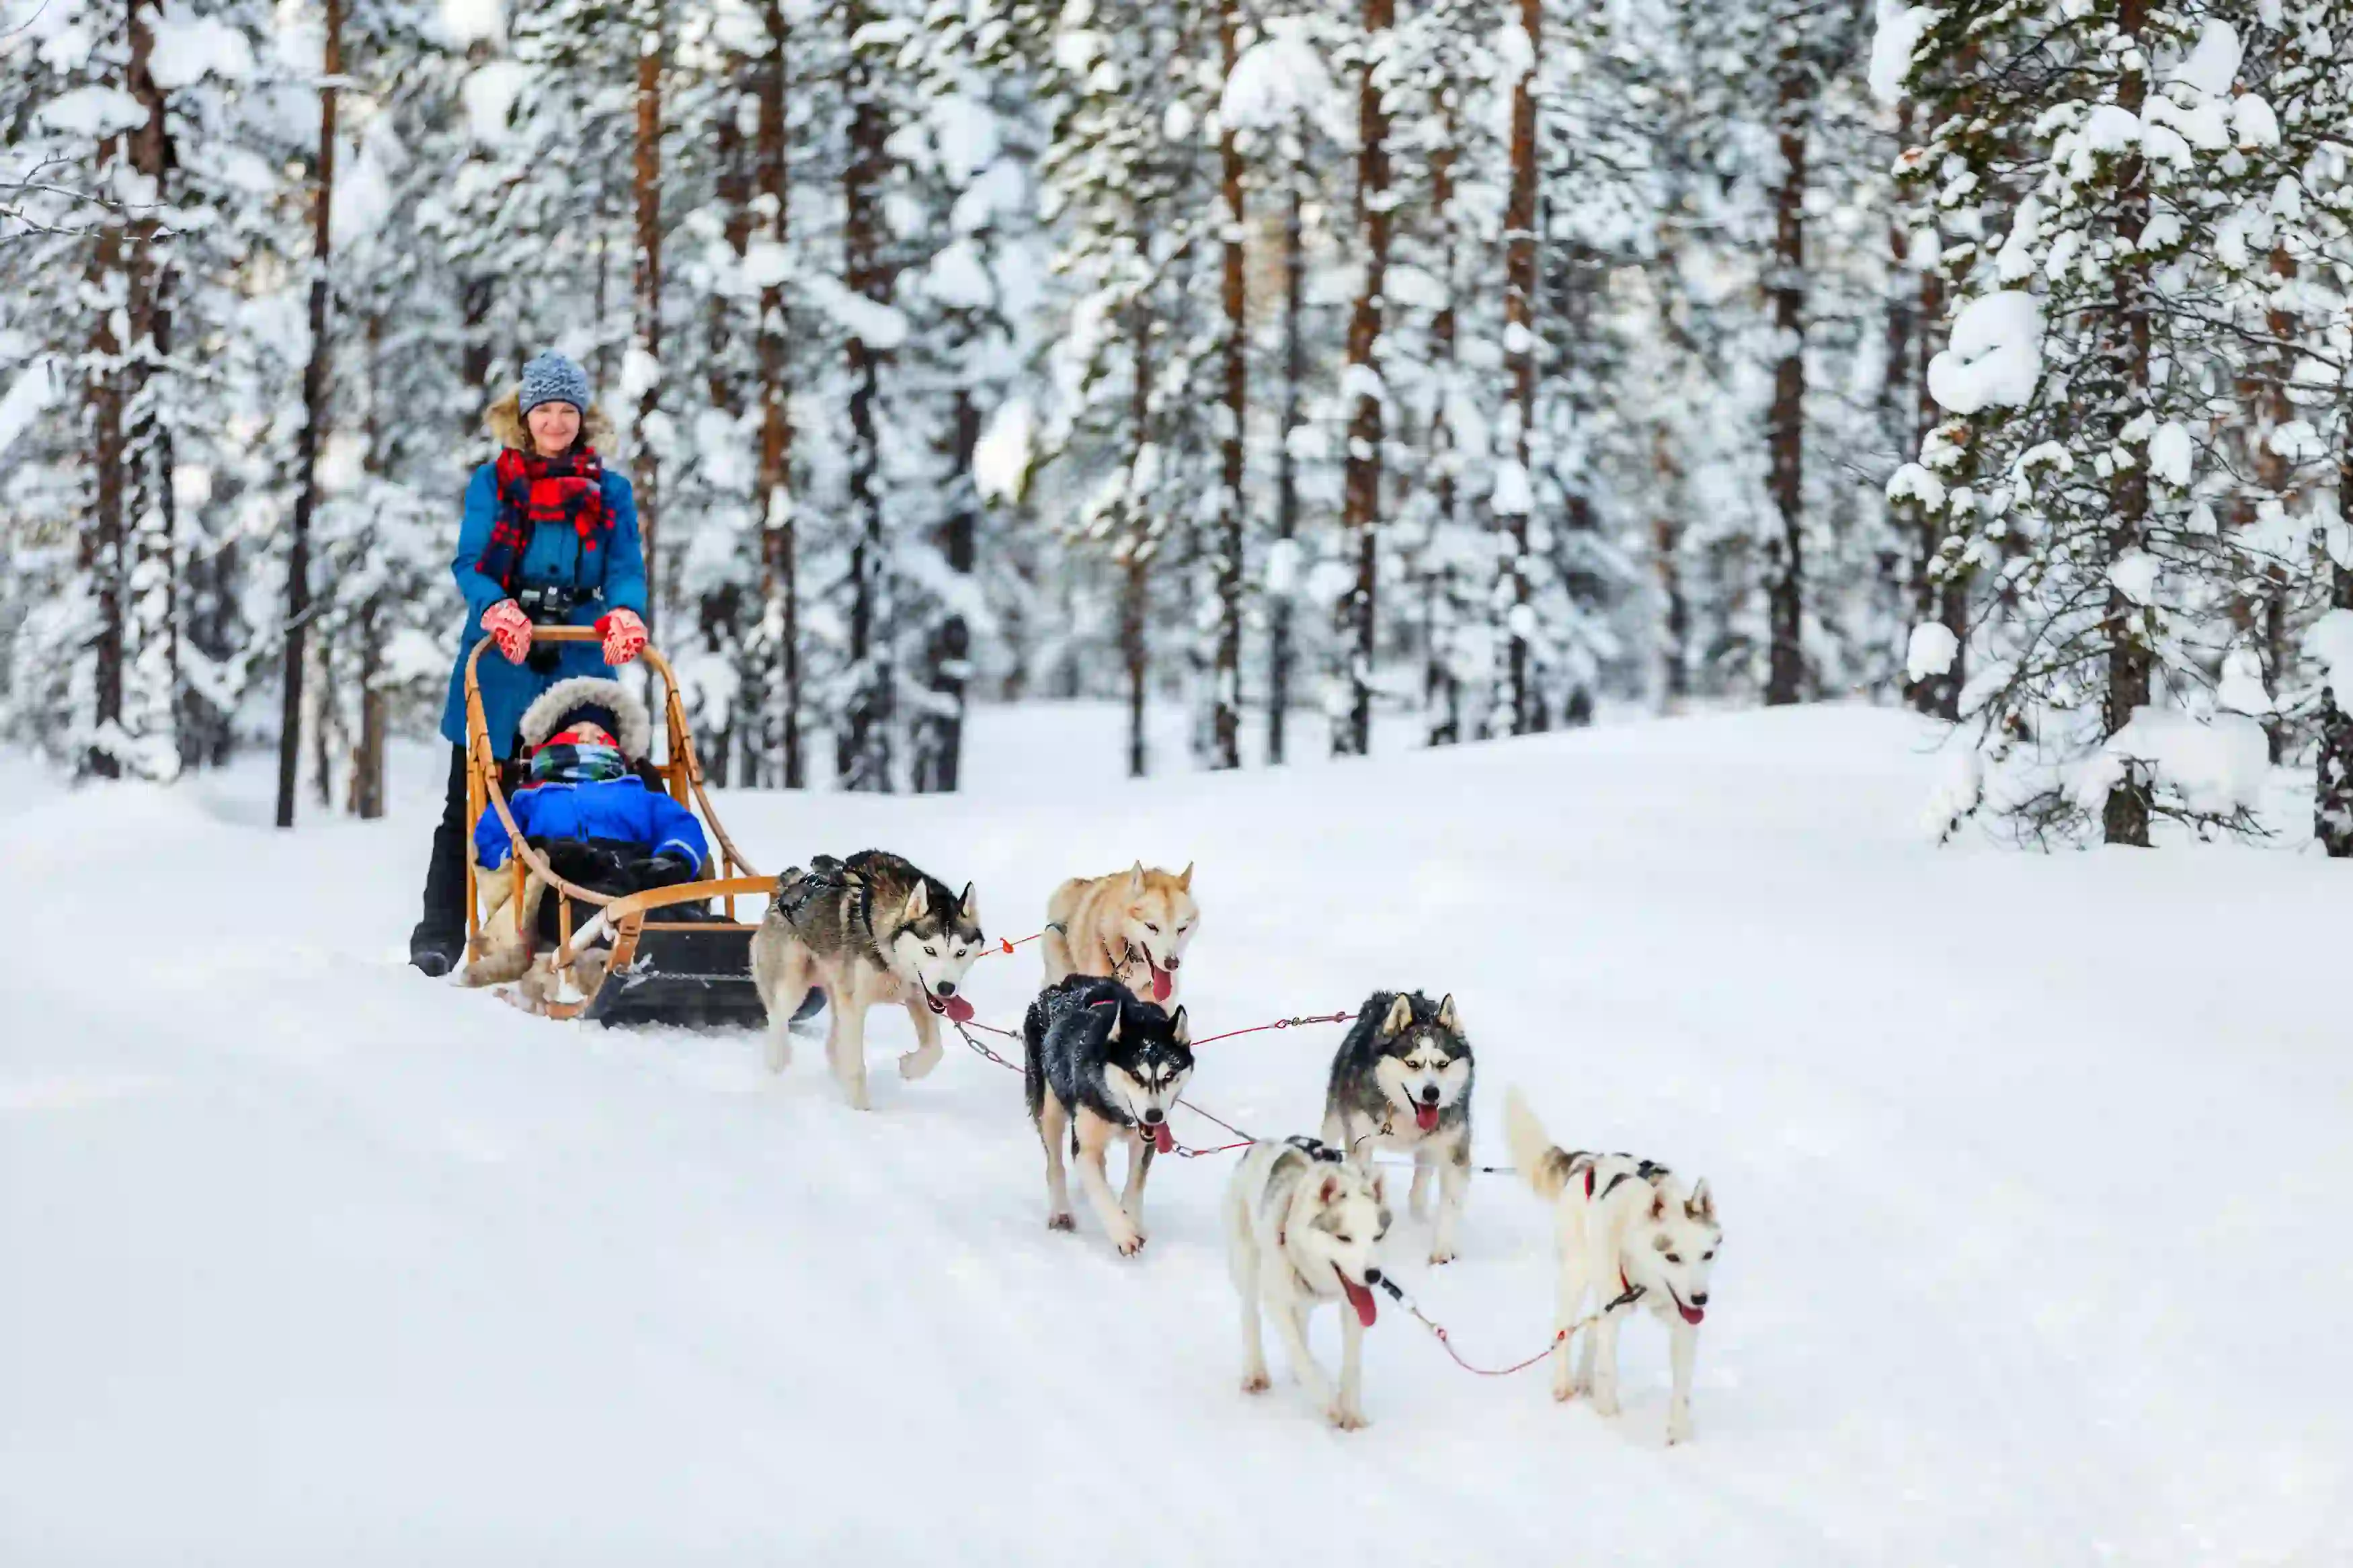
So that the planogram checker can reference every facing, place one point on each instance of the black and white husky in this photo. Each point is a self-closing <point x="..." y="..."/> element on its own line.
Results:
<point x="1625" y="1230"/>
<point x="1302" y="1225"/>
<point x="1401" y="1081"/>
<point x="1099" y="1065"/>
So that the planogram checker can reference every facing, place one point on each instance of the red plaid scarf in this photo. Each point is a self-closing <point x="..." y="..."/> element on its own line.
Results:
<point x="533" y="489"/>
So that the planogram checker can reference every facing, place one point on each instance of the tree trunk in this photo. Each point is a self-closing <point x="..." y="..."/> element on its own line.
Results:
<point x="779" y="553"/>
<point x="939" y="758"/>
<point x="1520" y="357"/>
<point x="2125" y="819"/>
<point x="863" y="755"/>
<point x="101" y="551"/>
<point x="1441" y="687"/>
<point x="365" y="800"/>
<point x="652" y="45"/>
<point x="1226" y="701"/>
<point x="1361" y="389"/>
<point x="2332" y="795"/>
<point x="2275" y="474"/>
<point x="153" y="647"/>
<point x="1132" y="602"/>
<point x="1286" y="478"/>
<point x="1785" y="596"/>
<point x="314" y="417"/>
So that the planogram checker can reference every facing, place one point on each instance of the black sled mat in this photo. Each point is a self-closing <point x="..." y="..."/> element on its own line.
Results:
<point x="687" y="979"/>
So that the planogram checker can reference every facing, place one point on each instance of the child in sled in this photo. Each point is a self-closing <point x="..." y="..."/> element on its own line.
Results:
<point x="590" y="814"/>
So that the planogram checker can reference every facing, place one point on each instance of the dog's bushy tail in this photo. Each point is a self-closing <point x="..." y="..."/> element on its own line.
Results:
<point x="1543" y="1163"/>
<point x="1033" y="1064"/>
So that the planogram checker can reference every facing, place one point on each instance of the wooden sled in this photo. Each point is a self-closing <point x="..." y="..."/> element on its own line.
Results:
<point x="695" y="974"/>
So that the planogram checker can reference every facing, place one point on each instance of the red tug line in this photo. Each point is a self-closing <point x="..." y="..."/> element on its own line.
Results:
<point x="1445" y="1342"/>
<point x="1183" y="1151"/>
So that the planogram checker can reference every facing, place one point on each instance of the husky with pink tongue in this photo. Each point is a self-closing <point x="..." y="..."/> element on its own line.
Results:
<point x="1303" y="1228"/>
<point x="1102" y="1067"/>
<point x="1402" y="1082"/>
<point x="1130" y="926"/>
<point x="1629" y="1234"/>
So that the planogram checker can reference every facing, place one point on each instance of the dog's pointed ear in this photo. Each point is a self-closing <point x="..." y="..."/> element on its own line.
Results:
<point x="1658" y="1203"/>
<point x="1401" y="1017"/>
<point x="969" y="905"/>
<point x="919" y="901"/>
<point x="1328" y="1191"/>
<point x="1117" y="1012"/>
<point x="1447" y="1019"/>
<point x="1701" y="1204"/>
<point x="1180" y="1028"/>
<point x="1136" y="878"/>
<point x="1185" y="880"/>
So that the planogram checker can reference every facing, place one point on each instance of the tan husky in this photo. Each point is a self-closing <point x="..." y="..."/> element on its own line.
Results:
<point x="1132" y="926"/>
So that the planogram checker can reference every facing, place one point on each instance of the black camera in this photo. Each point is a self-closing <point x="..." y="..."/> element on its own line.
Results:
<point x="550" y="604"/>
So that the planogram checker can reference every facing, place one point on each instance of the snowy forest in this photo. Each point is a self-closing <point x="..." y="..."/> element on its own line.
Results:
<point x="1464" y="368"/>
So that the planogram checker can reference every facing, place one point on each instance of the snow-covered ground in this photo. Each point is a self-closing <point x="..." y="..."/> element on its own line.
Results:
<point x="2027" y="1166"/>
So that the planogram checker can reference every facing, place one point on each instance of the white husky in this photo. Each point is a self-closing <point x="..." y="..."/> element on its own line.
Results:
<point x="1302" y="1224"/>
<point x="1622" y="1227"/>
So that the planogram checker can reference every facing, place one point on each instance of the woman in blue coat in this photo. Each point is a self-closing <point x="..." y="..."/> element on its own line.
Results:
<point x="550" y="538"/>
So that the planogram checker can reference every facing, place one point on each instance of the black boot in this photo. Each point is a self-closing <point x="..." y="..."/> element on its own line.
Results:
<point x="439" y="939"/>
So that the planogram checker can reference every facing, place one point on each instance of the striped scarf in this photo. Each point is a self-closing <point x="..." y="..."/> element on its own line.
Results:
<point x="533" y="489"/>
<point x="564" y="762"/>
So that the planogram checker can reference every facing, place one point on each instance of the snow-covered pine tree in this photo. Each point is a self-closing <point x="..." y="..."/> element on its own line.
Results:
<point x="2081" y="378"/>
<point x="1128" y="191"/>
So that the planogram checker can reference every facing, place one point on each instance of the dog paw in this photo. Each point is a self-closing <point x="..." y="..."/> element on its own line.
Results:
<point x="1345" y="1419"/>
<point x="1563" y="1392"/>
<point x="1256" y="1382"/>
<point x="1130" y="1242"/>
<point x="918" y="1064"/>
<point x="1060" y="1222"/>
<point x="780" y="1056"/>
<point x="1679" y="1429"/>
<point x="1444" y="1254"/>
<point x="1605" y="1405"/>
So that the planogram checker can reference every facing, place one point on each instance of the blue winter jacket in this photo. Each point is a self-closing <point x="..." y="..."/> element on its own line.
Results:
<point x="621" y="809"/>
<point x="616" y="570"/>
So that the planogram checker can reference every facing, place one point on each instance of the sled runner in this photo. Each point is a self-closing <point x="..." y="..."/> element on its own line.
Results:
<point x="692" y="971"/>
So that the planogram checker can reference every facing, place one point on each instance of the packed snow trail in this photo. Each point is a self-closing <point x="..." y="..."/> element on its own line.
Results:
<point x="2029" y="1168"/>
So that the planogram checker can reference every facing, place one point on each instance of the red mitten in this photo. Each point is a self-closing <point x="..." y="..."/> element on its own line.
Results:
<point x="507" y="622"/>
<point x="624" y="634"/>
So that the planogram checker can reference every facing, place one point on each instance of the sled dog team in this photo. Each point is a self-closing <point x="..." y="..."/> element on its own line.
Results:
<point x="1107" y="1051"/>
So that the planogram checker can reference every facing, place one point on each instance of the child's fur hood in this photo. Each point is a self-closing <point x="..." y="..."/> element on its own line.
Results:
<point x="503" y="420"/>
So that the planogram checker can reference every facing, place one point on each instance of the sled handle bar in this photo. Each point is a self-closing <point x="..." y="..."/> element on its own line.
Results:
<point x="685" y="767"/>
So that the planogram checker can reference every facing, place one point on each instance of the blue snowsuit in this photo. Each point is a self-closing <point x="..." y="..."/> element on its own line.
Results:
<point x="616" y="571"/>
<point x="622" y="810"/>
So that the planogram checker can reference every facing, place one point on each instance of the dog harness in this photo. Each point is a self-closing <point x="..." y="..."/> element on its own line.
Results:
<point x="1648" y="1170"/>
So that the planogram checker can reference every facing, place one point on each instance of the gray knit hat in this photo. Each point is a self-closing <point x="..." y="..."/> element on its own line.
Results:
<point x="552" y="378"/>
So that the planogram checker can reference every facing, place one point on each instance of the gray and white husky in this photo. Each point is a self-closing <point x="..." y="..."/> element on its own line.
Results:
<point x="1097" y="1065"/>
<point x="872" y="928"/>
<point x="1401" y="1081"/>
<point x="1303" y="1227"/>
<point x="1622" y="1227"/>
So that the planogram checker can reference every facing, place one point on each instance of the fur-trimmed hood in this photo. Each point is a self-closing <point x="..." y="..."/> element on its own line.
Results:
<point x="503" y="420"/>
<point x="545" y="715"/>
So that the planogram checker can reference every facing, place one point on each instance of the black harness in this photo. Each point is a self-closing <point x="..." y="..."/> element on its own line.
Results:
<point x="1648" y="1170"/>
